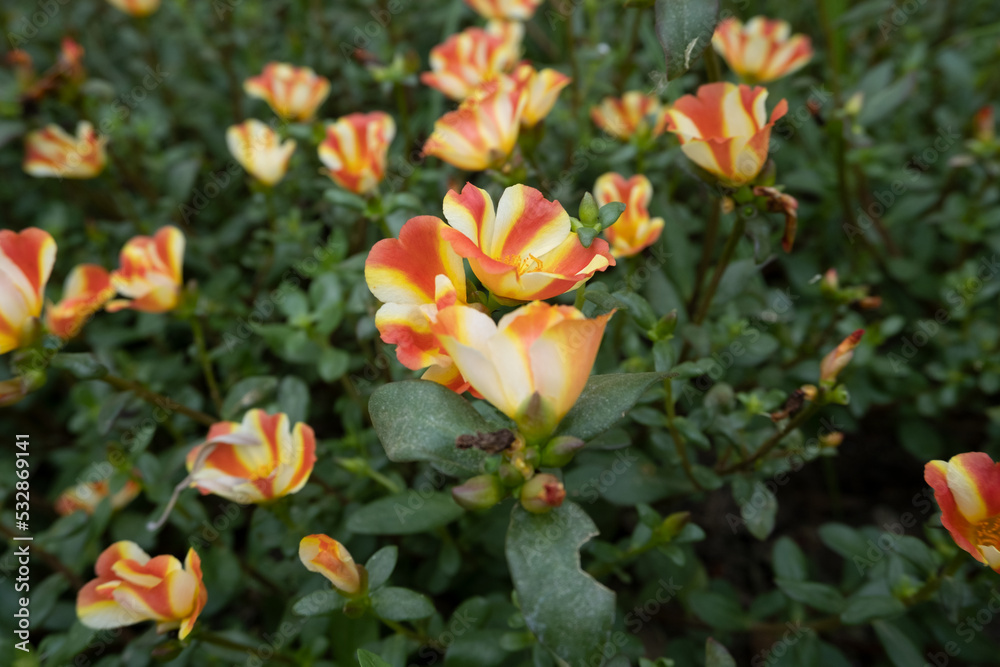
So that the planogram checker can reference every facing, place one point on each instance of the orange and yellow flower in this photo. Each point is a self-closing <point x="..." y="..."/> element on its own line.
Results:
<point x="325" y="555"/>
<point x="526" y="249"/>
<point x="131" y="588"/>
<point x="413" y="276"/>
<point x="724" y="129"/>
<point x="635" y="230"/>
<point x="294" y="93"/>
<point x="88" y="287"/>
<point x="471" y="58"/>
<point x="762" y="50"/>
<point x="137" y="8"/>
<point x="256" y="461"/>
<point x="259" y="150"/>
<point x="26" y="260"/>
<point x="838" y="358"/>
<point x="355" y="150"/>
<point x="532" y="366"/>
<point x="150" y="272"/>
<point x="541" y="90"/>
<point x="87" y="496"/>
<point x="967" y="488"/>
<point x="507" y="10"/>
<point x="482" y="132"/>
<point x="634" y="114"/>
<point x="53" y="153"/>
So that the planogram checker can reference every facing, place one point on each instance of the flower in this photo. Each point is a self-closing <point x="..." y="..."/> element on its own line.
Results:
<point x="762" y="50"/>
<point x="256" y="461"/>
<point x="532" y="366"/>
<point x="634" y="229"/>
<point x="526" y="250"/>
<point x="355" y="150"/>
<point x="26" y="260"/>
<point x="52" y="153"/>
<point x="150" y="272"/>
<point x="131" y="588"/>
<point x="482" y="132"/>
<point x="323" y="554"/>
<point x="412" y="276"/>
<point x="541" y="88"/>
<point x="259" y="150"/>
<point x="87" y="289"/>
<point x="137" y="8"/>
<point x="724" y="129"/>
<point x="294" y="93"/>
<point x="633" y="114"/>
<point x="508" y="10"/>
<point x="87" y="496"/>
<point x="471" y="58"/>
<point x="838" y="358"/>
<point x="967" y="488"/>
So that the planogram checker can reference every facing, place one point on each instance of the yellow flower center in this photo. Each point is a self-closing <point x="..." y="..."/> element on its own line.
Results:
<point x="988" y="532"/>
<point x="523" y="264"/>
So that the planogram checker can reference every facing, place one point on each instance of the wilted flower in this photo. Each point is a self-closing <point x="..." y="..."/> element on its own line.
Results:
<point x="88" y="287"/>
<point x="137" y="8"/>
<point x="633" y="114"/>
<point x="471" y="58"/>
<point x="149" y="272"/>
<point x="541" y="90"/>
<point x="325" y="555"/>
<point x="259" y="150"/>
<point x="779" y="202"/>
<point x="482" y="132"/>
<point x="762" y="50"/>
<point x="52" y="153"/>
<point x="26" y="260"/>
<point x="294" y="93"/>
<point x="509" y="10"/>
<point x="724" y="129"/>
<point x="131" y="588"/>
<point x="355" y="150"/>
<point x="526" y="250"/>
<point x="967" y="488"/>
<point x="634" y="230"/>
<point x="838" y="358"/>
<point x="87" y="496"/>
<point x="256" y="461"/>
<point x="542" y="493"/>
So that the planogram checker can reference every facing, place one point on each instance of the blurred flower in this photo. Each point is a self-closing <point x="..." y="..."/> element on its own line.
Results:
<point x="832" y="439"/>
<point x="531" y="366"/>
<point x="294" y="93"/>
<point x="481" y="133"/>
<point x="87" y="289"/>
<point x="355" y="150"/>
<point x="838" y="358"/>
<point x="542" y="493"/>
<point x="26" y="260"/>
<point x="541" y="89"/>
<point x="634" y="230"/>
<point x="413" y="276"/>
<point x="259" y="150"/>
<point x="779" y="202"/>
<point x="131" y="588"/>
<point x="762" y="50"/>
<point x="137" y="8"/>
<point x="724" y="129"/>
<point x="87" y="496"/>
<point x="985" y="124"/>
<point x="256" y="461"/>
<point x="325" y="555"/>
<point x="471" y="58"/>
<point x="524" y="251"/>
<point x="967" y="488"/>
<point x="70" y="62"/>
<point x="52" y="153"/>
<point x="149" y="273"/>
<point x="633" y="114"/>
<point x="510" y="10"/>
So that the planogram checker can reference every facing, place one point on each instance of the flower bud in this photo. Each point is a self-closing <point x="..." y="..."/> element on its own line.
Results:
<point x="510" y="475"/>
<point x="809" y="392"/>
<point x="323" y="554"/>
<point x="831" y="439"/>
<point x="542" y="493"/>
<point x="589" y="211"/>
<point x="672" y="526"/>
<point x="853" y="105"/>
<point x="838" y="358"/>
<point x="831" y="282"/>
<point x="478" y="493"/>
<point x="560" y="451"/>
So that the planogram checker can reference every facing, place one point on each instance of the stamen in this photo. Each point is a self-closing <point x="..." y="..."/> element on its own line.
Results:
<point x="988" y="532"/>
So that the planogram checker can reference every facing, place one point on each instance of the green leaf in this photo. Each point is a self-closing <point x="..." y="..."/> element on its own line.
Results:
<point x="293" y="398"/>
<point x="886" y="100"/>
<point x="247" y="393"/>
<point x="318" y="602"/>
<point x="898" y="647"/>
<point x="404" y="514"/>
<point x="843" y="539"/>
<point x="345" y="198"/>
<point x="719" y="611"/>
<point x="419" y="421"/>
<point x="381" y="565"/>
<point x="816" y="595"/>
<point x="759" y="510"/>
<point x="333" y="363"/>
<point x="610" y="212"/>
<point x="604" y="401"/>
<point x="83" y="365"/>
<point x="788" y="560"/>
<point x="716" y="655"/>
<point x="684" y="28"/>
<point x="401" y="604"/>
<point x="586" y="236"/>
<point x="369" y="659"/>
<point x="864" y="608"/>
<point x="568" y="610"/>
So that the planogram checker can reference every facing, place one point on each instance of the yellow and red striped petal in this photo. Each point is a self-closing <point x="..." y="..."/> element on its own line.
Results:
<point x="837" y="359"/>
<point x="136" y="8"/>
<point x="53" y="153"/>
<point x="967" y="489"/>
<point x="87" y="496"/>
<point x="482" y="132"/>
<point x="192" y="565"/>
<point x="259" y="150"/>
<point x="294" y="93"/>
<point x="88" y="287"/>
<point x="355" y="150"/>
<point x="149" y="272"/>
<point x="635" y="230"/>
<point x="325" y="555"/>
<point x="26" y="260"/>
<point x="541" y="88"/>
<point x="634" y="113"/>
<point x="471" y="58"/>
<point x="509" y="10"/>
<point x="762" y="50"/>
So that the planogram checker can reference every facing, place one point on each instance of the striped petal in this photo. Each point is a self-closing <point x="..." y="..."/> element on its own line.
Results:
<point x="762" y="50"/>
<point x="294" y="93"/>
<point x="634" y="230"/>
<point x="259" y="150"/>
<point x="510" y="10"/>
<point x="634" y="113"/>
<point x="26" y="260"/>
<point x="356" y="148"/>
<point x="149" y="272"/>
<point x="482" y="132"/>
<point x="974" y="480"/>
<point x="53" y="153"/>
<point x="325" y="555"/>
<point x="541" y="89"/>
<point x="88" y="287"/>
<point x="471" y="58"/>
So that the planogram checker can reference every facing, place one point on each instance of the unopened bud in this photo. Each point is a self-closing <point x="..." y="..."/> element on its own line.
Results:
<point x="542" y="493"/>
<point x="838" y="358"/>
<point x="839" y="395"/>
<point x="870" y="302"/>
<point x="672" y="526"/>
<point x="325" y="555"/>
<point x="831" y="439"/>
<point x="589" y="211"/>
<point x="479" y="493"/>
<point x="560" y="451"/>
<point x="831" y="281"/>
<point x="809" y="392"/>
<point x="853" y="105"/>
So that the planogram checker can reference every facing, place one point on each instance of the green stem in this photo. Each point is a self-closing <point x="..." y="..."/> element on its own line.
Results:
<point x="157" y="399"/>
<point x="727" y="255"/>
<point x="773" y="441"/>
<point x="581" y="296"/>
<point x="223" y="642"/>
<point x="679" y="443"/>
<point x="712" y="70"/>
<point x="708" y="244"/>
<point x="206" y="363"/>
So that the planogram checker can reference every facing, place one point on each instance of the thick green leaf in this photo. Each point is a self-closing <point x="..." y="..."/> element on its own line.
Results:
<point x="401" y="604"/>
<point x="684" y="28"/>
<point x="293" y="398"/>
<point x="247" y="393"/>
<point x="864" y="608"/>
<point x="898" y="647"/>
<point x="567" y="609"/>
<point x="716" y="655"/>
<point x="381" y="565"/>
<point x="788" y="560"/>
<point x="83" y="365"/>
<point x="419" y="421"/>
<point x="816" y="595"/>
<point x="405" y="513"/>
<point x="318" y="602"/>
<point x="719" y="611"/>
<point x="604" y="401"/>
<point x="887" y="100"/>
<point x="843" y="539"/>
<point x="369" y="659"/>
<point x="759" y="510"/>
